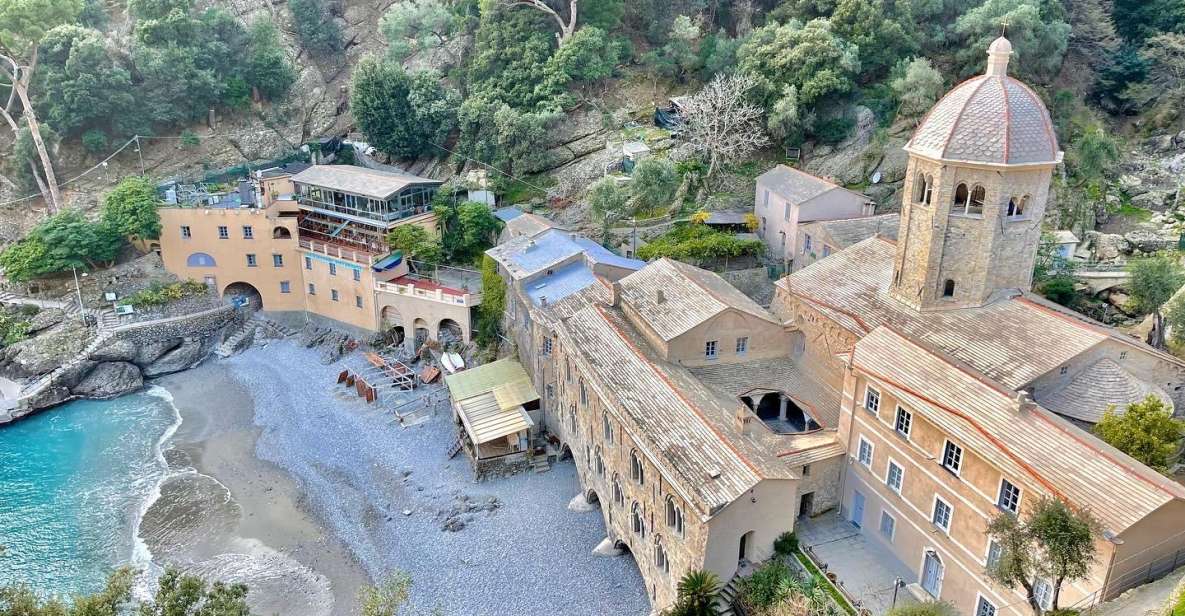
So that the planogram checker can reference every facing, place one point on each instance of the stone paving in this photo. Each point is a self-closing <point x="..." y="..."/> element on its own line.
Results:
<point x="864" y="568"/>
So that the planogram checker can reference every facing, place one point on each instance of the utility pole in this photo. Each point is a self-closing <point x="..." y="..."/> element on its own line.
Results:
<point x="140" y="153"/>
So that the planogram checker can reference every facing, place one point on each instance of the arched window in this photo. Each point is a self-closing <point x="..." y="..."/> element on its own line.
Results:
<point x="929" y="189"/>
<point x="637" y="520"/>
<point x="599" y="462"/>
<point x="674" y="516"/>
<point x="281" y="233"/>
<point x="618" y="495"/>
<point x="919" y="188"/>
<point x="572" y="417"/>
<point x="199" y="259"/>
<point x="607" y="428"/>
<point x="948" y="288"/>
<point x="961" y="197"/>
<point x="1016" y="207"/>
<point x="588" y="457"/>
<point x="978" y="196"/>
<point x="660" y="556"/>
<point x="637" y="472"/>
<point x="583" y="394"/>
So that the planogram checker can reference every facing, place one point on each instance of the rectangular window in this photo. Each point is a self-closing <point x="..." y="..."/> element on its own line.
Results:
<point x="248" y="232"/>
<point x="806" y="470"/>
<point x="993" y="554"/>
<point x="1043" y="593"/>
<point x="1009" y="498"/>
<point x="583" y="394"/>
<point x="285" y="286"/>
<point x="312" y="289"/>
<point x="742" y="345"/>
<point x="806" y="243"/>
<point x="251" y="261"/>
<point x="888" y="526"/>
<point x="357" y="301"/>
<point x="547" y="346"/>
<point x="185" y="232"/>
<point x="308" y="263"/>
<point x="710" y="349"/>
<point x="872" y="400"/>
<point x="357" y="275"/>
<point x="894" y="477"/>
<point x="983" y="607"/>
<point x="332" y="269"/>
<point x="942" y="514"/>
<point x="904" y="422"/>
<point x="333" y="295"/>
<point x="952" y="457"/>
<point x="826" y="250"/>
<point x="550" y="389"/>
<point x="864" y="455"/>
<point x="223" y="233"/>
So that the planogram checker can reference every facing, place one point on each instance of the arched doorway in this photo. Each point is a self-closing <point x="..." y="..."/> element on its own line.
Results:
<point x="745" y="547"/>
<point x="281" y="233"/>
<point x="243" y="294"/>
<point x="421" y="332"/>
<point x="392" y="324"/>
<point x="450" y="331"/>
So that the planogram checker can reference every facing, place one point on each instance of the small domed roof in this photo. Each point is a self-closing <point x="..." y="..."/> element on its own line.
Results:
<point x="991" y="118"/>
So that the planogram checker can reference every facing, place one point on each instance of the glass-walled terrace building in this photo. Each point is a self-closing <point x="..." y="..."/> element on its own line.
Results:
<point x="356" y="207"/>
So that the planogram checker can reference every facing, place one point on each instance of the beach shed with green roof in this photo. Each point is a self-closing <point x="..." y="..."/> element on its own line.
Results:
<point x="492" y="407"/>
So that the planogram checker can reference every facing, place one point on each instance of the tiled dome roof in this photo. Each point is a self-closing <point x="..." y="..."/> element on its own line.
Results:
<point x="991" y="118"/>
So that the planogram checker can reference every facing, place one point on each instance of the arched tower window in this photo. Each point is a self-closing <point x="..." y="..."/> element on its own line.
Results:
<point x="618" y="495"/>
<point x="978" y="196"/>
<point x="637" y="472"/>
<point x="674" y="517"/>
<point x="607" y="428"/>
<point x="1016" y="206"/>
<point x="637" y="520"/>
<point x="961" y="197"/>
<point x="599" y="462"/>
<point x="660" y="556"/>
<point x="929" y="189"/>
<point x="919" y="188"/>
<point x="948" y="288"/>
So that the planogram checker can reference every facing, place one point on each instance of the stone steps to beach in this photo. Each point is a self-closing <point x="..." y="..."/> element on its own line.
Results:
<point x="228" y="346"/>
<point x="35" y="387"/>
<point x="540" y="464"/>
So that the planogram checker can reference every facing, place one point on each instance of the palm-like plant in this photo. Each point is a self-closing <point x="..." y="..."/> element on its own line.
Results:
<point x="697" y="594"/>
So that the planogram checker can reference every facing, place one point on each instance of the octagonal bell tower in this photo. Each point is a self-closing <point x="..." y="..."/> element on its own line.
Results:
<point x="976" y="186"/>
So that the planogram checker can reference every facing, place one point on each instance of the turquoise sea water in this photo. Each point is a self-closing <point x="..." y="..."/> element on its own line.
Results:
<point x="74" y="483"/>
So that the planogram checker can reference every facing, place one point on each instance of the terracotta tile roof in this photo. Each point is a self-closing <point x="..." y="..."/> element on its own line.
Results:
<point x="1098" y="387"/>
<point x="1012" y="341"/>
<point x="779" y="374"/>
<point x="681" y="425"/>
<point x="359" y="180"/>
<point x="848" y="231"/>
<point x="988" y="119"/>
<point x="690" y="296"/>
<point x="1033" y="443"/>
<point x="799" y="187"/>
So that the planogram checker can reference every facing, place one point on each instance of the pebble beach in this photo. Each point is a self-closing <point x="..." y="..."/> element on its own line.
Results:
<point x="304" y="492"/>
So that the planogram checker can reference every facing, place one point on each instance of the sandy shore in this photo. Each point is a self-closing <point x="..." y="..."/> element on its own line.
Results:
<point x="228" y="515"/>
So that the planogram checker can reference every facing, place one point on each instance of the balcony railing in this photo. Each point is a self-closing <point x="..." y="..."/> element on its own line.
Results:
<point x="432" y="293"/>
<point x="338" y="251"/>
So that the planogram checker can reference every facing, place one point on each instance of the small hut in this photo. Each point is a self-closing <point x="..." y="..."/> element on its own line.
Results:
<point x="492" y="406"/>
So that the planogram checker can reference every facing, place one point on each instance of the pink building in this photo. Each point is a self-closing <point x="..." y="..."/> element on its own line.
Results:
<point x="787" y="197"/>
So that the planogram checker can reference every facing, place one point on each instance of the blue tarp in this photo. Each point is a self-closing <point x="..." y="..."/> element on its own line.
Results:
<point x="507" y="214"/>
<point x="600" y="254"/>
<point x="388" y="262"/>
<point x="561" y="283"/>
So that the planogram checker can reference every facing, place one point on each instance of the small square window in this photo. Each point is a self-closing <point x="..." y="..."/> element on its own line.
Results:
<point x="710" y="349"/>
<point x="357" y="301"/>
<point x="1122" y="354"/>
<point x="186" y="233"/>
<point x="742" y="345"/>
<point x="942" y="514"/>
<point x="312" y="289"/>
<point x="1043" y="593"/>
<point x="1063" y="370"/>
<point x="952" y="457"/>
<point x="333" y="295"/>
<point x="357" y="275"/>
<point x="904" y="422"/>
<point x="251" y="261"/>
<point x="223" y="233"/>
<point x="894" y="477"/>
<point x="983" y="607"/>
<point x="332" y="269"/>
<point x="1009" y="498"/>
<point x="248" y="232"/>
<point x="826" y="250"/>
<point x="278" y="260"/>
<point x="285" y="286"/>
<point x="872" y="399"/>
<point x="308" y="263"/>
<point x="864" y="454"/>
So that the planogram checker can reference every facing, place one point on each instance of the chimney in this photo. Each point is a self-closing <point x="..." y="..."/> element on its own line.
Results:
<point x="615" y="294"/>
<point x="1024" y="402"/>
<point x="869" y="208"/>
<point x="744" y="420"/>
<point x="659" y="297"/>
<point x="543" y="300"/>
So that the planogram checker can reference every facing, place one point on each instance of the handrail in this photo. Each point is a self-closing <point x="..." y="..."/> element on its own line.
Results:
<point x="333" y="250"/>
<point x="438" y="295"/>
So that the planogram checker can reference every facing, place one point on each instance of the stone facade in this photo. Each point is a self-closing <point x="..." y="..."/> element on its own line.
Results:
<point x="954" y="254"/>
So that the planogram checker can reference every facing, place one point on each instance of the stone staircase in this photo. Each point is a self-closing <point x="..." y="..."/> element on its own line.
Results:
<point x="35" y="387"/>
<point x="726" y="596"/>
<point x="231" y="342"/>
<point x="539" y="464"/>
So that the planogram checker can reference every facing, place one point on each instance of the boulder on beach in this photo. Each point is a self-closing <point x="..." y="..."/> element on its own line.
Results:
<point x="151" y="351"/>
<point x="116" y="350"/>
<point x="189" y="354"/>
<point x="109" y="380"/>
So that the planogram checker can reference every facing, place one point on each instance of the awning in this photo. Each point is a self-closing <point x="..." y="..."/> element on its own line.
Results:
<point x="388" y="261"/>
<point x="485" y="420"/>
<point x="488" y="377"/>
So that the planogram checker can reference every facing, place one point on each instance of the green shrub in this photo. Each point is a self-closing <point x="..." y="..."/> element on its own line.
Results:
<point x="158" y="294"/>
<point x="94" y="141"/>
<point x="29" y="310"/>
<point x="13" y="328"/>
<point x="767" y="584"/>
<point x="786" y="544"/>
<point x="940" y="608"/>
<point x="698" y="243"/>
<point x="833" y="130"/>
<point x="1179" y="605"/>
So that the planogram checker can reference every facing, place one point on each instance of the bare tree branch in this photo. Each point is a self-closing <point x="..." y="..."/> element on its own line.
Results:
<point x="566" y="29"/>
<point x="721" y="125"/>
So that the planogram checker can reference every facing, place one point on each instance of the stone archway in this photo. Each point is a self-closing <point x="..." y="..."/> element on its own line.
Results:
<point x="450" y="331"/>
<point x="243" y="294"/>
<point x="422" y="333"/>
<point x="281" y="233"/>
<point x="590" y="496"/>
<point x="391" y="323"/>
